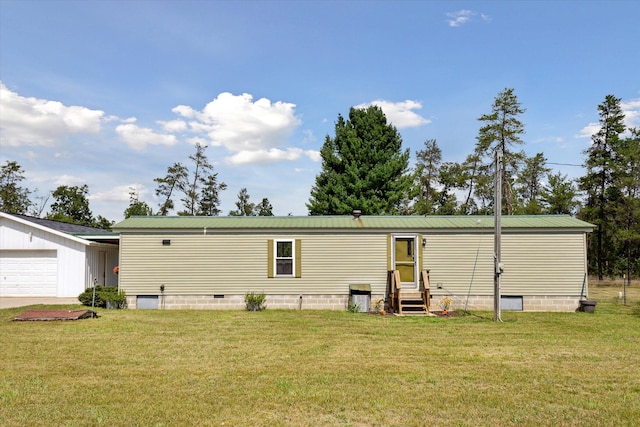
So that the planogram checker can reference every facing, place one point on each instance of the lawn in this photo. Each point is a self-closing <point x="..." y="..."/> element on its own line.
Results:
<point x="309" y="368"/>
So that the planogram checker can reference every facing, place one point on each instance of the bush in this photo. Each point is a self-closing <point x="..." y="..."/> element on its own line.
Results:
<point x="104" y="295"/>
<point x="255" y="301"/>
<point x="352" y="307"/>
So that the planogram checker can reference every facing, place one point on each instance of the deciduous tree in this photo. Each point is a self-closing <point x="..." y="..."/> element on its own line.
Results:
<point x="71" y="205"/>
<point x="136" y="206"/>
<point x="14" y="199"/>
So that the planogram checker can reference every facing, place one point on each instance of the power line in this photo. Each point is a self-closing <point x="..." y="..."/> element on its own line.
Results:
<point x="565" y="164"/>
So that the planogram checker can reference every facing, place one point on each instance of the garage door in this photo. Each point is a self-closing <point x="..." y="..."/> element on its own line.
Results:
<point x="28" y="273"/>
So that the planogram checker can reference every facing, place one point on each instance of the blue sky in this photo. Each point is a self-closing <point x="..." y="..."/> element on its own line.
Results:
<point x="111" y="93"/>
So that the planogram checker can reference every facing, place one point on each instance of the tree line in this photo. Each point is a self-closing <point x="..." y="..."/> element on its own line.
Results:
<point x="198" y="190"/>
<point x="365" y="167"/>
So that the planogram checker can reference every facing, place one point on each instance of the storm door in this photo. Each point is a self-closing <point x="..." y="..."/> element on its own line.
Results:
<point x="405" y="260"/>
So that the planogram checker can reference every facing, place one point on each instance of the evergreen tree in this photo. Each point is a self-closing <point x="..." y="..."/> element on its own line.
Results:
<point x="200" y="191"/>
<point x="560" y="196"/>
<point x="626" y="211"/>
<point x="599" y="184"/>
<point x="458" y="177"/>
<point x="264" y="208"/>
<point x="192" y="191"/>
<point x="427" y="176"/>
<point x="363" y="167"/>
<point x="528" y="184"/>
<point x="500" y="133"/>
<point x="14" y="199"/>
<point x="176" y="179"/>
<point x="245" y="207"/>
<point x="210" y="196"/>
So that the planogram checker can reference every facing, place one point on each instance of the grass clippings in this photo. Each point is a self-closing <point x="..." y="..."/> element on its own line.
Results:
<point x="310" y="368"/>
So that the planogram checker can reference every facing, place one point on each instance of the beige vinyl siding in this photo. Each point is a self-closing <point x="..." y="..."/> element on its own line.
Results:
<point x="534" y="263"/>
<point x="543" y="264"/>
<point x="234" y="264"/>
<point x="450" y="259"/>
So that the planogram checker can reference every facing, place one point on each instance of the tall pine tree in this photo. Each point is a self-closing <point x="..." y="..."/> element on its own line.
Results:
<point x="427" y="178"/>
<point x="363" y="167"/>
<point x="501" y="132"/>
<point x="626" y="211"/>
<point x="599" y="184"/>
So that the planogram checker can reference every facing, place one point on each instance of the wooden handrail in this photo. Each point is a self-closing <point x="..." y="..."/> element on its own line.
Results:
<point x="394" y="286"/>
<point x="426" y="288"/>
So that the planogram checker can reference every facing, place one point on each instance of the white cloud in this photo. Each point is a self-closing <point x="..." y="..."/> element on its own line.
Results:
<point x="184" y="111"/>
<point x="400" y="114"/>
<point x="588" y="130"/>
<point x="173" y="126"/>
<point x="460" y="17"/>
<point x="313" y="155"/>
<point x="255" y="131"/>
<point x="68" y="180"/>
<point x="138" y="138"/>
<point x="631" y="110"/>
<point x="309" y="137"/>
<point x="264" y="156"/>
<point x="119" y="193"/>
<point x="271" y="156"/>
<point x="33" y="121"/>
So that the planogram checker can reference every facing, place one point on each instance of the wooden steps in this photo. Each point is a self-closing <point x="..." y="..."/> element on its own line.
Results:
<point x="411" y="304"/>
<point x="408" y="302"/>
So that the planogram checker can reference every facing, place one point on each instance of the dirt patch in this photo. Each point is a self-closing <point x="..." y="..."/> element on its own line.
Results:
<point x="446" y="313"/>
<point x="56" y="315"/>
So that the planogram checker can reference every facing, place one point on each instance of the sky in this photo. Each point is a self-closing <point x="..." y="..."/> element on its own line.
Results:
<point x="111" y="93"/>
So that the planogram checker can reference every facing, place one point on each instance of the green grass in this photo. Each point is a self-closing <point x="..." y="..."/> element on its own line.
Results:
<point x="309" y="368"/>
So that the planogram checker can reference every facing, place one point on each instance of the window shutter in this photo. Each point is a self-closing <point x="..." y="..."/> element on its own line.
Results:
<point x="420" y="253"/>
<point x="270" y="259"/>
<point x="389" y="267"/>
<point x="298" y="258"/>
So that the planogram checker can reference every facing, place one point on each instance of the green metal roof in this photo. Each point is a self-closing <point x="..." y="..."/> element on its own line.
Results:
<point x="407" y="222"/>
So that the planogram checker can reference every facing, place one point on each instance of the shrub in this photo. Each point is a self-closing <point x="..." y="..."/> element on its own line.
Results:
<point x="255" y="301"/>
<point x="352" y="307"/>
<point x="104" y="295"/>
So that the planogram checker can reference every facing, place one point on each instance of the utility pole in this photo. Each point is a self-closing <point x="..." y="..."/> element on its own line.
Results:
<point x="497" y="246"/>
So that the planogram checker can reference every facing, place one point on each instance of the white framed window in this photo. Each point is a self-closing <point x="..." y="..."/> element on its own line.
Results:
<point x="284" y="259"/>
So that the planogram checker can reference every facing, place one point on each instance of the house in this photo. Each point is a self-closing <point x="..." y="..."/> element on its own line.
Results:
<point x="40" y="257"/>
<point x="319" y="262"/>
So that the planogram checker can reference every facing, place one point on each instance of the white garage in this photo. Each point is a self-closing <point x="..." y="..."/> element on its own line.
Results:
<point x="40" y="257"/>
<point x="28" y="273"/>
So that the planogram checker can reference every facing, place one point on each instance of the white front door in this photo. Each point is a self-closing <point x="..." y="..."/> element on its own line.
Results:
<point x="405" y="260"/>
